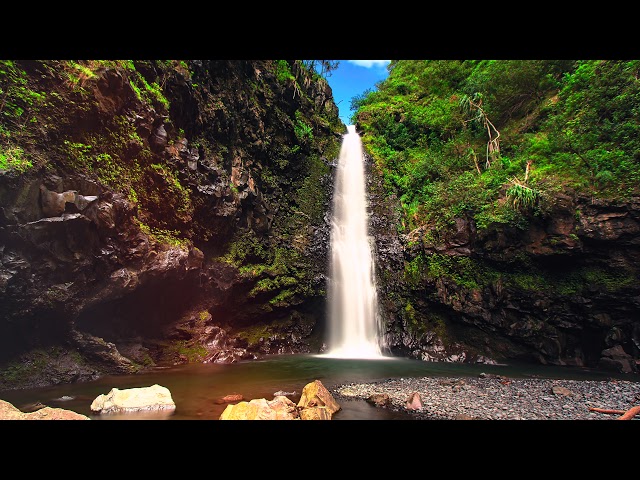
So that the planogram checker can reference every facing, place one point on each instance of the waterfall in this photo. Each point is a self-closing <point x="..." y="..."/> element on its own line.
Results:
<point x="353" y="304"/>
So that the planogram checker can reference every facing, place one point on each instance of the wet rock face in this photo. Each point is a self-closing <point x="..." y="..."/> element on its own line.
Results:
<point x="86" y="267"/>
<point x="574" y="301"/>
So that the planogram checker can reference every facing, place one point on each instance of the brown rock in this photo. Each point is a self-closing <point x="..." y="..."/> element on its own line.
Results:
<point x="315" y="394"/>
<point x="280" y="408"/>
<point x="556" y="390"/>
<point x="236" y="397"/>
<point x="414" y="402"/>
<point x="379" y="400"/>
<point x="315" y="413"/>
<point x="463" y="416"/>
<point x="9" y="412"/>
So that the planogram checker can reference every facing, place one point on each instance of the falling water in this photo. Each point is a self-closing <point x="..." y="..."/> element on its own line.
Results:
<point x="353" y="311"/>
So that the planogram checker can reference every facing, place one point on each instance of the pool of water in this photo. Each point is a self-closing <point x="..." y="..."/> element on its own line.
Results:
<point x="197" y="389"/>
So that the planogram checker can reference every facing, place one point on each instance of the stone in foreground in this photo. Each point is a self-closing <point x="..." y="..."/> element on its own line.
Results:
<point x="315" y="413"/>
<point x="414" y="401"/>
<point x="280" y="408"/>
<point x="9" y="412"/>
<point x="316" y="403"/>
<point x="315" y="394"/>
<point x="132" y="400"/>
<point x="380" y="400"/>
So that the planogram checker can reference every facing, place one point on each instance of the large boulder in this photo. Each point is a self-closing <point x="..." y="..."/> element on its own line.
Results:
<point x="315" y="413"/>
<point x="9" y="412"/>
<point x="315" y="394"/>
<point x="133" y="400"/>
<point x="616" y="359"/>
<point x="316" y="403"/>
<point x="280" y="408"/>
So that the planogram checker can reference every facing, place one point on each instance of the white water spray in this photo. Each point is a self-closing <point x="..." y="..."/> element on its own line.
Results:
<point x="353" y="303"/>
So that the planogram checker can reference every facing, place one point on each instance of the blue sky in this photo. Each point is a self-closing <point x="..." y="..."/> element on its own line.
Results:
<point x="353" y="77"/>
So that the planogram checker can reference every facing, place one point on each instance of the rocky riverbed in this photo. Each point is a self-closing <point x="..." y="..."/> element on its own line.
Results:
<point x="494" y="397"/>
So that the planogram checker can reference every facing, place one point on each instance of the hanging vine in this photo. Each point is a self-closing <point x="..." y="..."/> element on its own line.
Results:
<point x="473" y="107"/>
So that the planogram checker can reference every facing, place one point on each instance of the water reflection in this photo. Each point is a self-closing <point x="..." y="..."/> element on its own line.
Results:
<point x="197" y="389"/>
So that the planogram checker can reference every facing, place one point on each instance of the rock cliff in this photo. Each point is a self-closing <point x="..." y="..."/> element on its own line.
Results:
<point x="561" y="290"/>
<point x="160" y="212"/>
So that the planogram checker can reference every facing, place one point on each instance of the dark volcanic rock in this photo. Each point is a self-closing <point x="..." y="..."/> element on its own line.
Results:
<point x="125" y="245"/>
<point x="573" y="300"/>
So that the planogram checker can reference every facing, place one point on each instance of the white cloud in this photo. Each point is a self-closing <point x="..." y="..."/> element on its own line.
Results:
<point x="370" y="63"/>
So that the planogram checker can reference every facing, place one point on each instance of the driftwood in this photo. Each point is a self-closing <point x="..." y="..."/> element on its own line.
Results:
<point x="624" y="414"/>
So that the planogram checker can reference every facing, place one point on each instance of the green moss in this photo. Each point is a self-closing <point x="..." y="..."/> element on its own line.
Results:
<point x="146" y="361"/>
<point x="283" y="71"/>
<point x="570" y="282"/>
<point x="269" y="284"/>
<point x="439" y="326"/>
<point x="410" y="313"/>
<point x="194" y="353"/>
<point x="78" y="73"/>
<point x="132" y="196"/>
<point x="18" y="99"/>
<point x="167" y="237"/>
<point x="282" y="298"/>
<point x="420" y="324"/>
<point x="255" y="334"/>
<point x="33" y="363"/>
<point x="174" y="193"/>
<point x="311" y="197"/>
<point x="463" y="271"/>
<point x="13" y="158"/>
<point x="105" y="156"/>
<point x="528" y="281"/>
<point x="302" y="130"/>
<point x="611" y="281"/>
<point x="244" y="247"/>
<point x="414" y="270"/>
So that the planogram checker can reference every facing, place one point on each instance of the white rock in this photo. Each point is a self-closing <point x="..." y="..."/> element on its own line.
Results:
<point x="130" y="400"/>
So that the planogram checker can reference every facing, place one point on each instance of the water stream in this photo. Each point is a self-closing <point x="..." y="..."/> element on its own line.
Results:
<point x="353" y="304"/>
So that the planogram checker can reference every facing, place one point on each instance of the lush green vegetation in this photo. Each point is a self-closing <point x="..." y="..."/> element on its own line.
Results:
<point x="495" y="142"/>
<point x="19" y="105"/>
<point x="496" y="139"/>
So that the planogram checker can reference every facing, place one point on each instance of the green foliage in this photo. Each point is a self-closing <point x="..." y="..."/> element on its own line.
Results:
<point x="107" y="156"/>
<point x="311" y="196"/>
<point x="414" y="270"/>
<point x="464" y="271"/>
<point x="19" y="106"/>
<point x="13" y="158"/>
<point x="78" y="74"/>
<point x="149" y="91"/>
<point x="522" y="196"/>
<point x="594" y="129"/>
<point x="571" y="281"/>
<point x="167" y="237"/>
<point x="36" y="362"/>
<point x="283" y="71"/>
<point x="244" y="248"/>
<point x="280" y="271"/>
<point x="302" y="130"/>
<point x="17" y="99"/>
<point x="194" y="353"/>
<point x="549" y="125"/>
<point x="255" y="334"/>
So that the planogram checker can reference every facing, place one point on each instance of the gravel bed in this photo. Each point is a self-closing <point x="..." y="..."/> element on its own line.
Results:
<point x="497" y="397"/>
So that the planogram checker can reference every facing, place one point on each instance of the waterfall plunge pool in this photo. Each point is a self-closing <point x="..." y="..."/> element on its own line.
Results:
<point x="196" y="388"/>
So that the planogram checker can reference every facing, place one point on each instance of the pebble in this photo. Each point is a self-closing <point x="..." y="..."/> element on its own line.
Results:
<point x="498" y="398"/>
